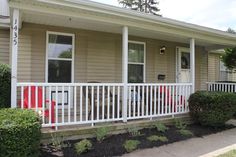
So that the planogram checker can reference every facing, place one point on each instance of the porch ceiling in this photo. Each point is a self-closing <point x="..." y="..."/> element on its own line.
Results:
<point x="94" y="16"/>
<point x="80" y="23"/>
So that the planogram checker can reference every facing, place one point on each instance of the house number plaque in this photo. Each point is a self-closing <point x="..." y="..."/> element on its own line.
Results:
<point x="15" y="32"/>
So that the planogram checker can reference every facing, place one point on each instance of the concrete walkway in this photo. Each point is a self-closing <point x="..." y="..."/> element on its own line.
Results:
<point x="194" y="147"/>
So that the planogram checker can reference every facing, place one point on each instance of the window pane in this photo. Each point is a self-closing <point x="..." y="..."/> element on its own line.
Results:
<point x="135" y="74"/>
<point x="59" y="46"/>
<point x="136" y="53"/>
<point x="185" y="60"/>
<point x="59" y="71"/>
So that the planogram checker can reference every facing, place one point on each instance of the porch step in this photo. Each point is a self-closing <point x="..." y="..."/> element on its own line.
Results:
<point x="78" y="132"/>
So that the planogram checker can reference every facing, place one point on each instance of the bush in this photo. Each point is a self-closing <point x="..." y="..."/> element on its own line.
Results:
<point x="161" y="127"/>
<point x="212" y="108"/>
<point x="101" y="134"/>
<point x="131" y="145"/>
<point x="155" y="138"/>
<point x="19" y="133"/>
<point x="83" y="146"/>
<point x="5" y="86"/>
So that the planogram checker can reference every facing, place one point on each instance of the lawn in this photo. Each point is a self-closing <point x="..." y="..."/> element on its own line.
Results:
<point x="231" y="153"/>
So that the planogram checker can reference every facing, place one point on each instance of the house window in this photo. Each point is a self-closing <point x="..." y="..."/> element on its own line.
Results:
<point x="223" y="72"/>
<point x="136" y="62"/>
<point x="60" y="49"/>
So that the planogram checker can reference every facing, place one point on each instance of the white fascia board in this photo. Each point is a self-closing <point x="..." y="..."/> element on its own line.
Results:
<point x="220" y="51"/>
<point x="104" y="8"/>
<point x="127" y="17"/>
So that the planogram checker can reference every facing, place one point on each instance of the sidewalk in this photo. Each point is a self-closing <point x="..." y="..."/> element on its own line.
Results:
<point x="190" y="148"/>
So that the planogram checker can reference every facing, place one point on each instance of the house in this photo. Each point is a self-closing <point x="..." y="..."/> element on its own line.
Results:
<point x="81" y="62"/>
<point x="217" y="69"/>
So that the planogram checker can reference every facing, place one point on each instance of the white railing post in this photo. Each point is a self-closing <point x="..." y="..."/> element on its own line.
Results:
<point x="192" y="62"/>
<point x="14" y="45"/>
<point x="125" y="71"/>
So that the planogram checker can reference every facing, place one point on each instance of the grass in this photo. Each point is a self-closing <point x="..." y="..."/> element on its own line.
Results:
<point x="231" y="153"/>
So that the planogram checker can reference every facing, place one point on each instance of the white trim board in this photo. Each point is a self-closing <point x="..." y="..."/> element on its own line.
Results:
<point x="73" y="54"/>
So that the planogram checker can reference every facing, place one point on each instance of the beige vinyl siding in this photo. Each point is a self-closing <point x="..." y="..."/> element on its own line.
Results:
<point x="24" y="57"/>
<point x="101" y="57"/>
<point x="4" y="46"/>
<point x="203" y="69"/>
<point x="38" y="56"/>
<point x="213" y="67"/>
<point x="98" y="56"/>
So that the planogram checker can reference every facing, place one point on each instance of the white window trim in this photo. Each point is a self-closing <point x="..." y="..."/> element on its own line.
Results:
<point x="144" y="59"/>
<point x="73" y="54"/>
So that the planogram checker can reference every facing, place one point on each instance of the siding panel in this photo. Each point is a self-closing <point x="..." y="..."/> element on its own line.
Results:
<point x="4" y="46"/>
<point x="213" y="67"/>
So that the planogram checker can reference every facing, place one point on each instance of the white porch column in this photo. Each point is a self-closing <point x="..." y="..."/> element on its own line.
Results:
<point x="14" y="48"/>
<point x="192" y="61"/>
<point x="125" y="71"/>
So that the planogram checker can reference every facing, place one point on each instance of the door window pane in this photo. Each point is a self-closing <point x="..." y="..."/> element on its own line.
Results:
<point x="59" y="71"/>
<point x="59" y="46"/>
<point x="185" y="60"/>
<point x="135" y="73"/>
<point x="136" y="53"/>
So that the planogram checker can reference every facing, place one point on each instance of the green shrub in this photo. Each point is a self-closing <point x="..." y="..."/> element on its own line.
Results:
<point x="83" y="146"/>
<point x="134" y="131"/>
<point x="5" y="86"/>
<point x="155" y="138"/>
<point x="131" y="145"/>
<point x="180" y="124"/>
<point x="101" y="133"/>
<point x="161" y="127"/>
<point x="212" y="108"/>
<point x="185" y="132"/>
<point x="19" y="133"/>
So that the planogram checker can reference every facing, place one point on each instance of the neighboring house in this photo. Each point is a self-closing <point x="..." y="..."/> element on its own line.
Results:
<point x="91" y="62"/>
<point x="217" y="70"/>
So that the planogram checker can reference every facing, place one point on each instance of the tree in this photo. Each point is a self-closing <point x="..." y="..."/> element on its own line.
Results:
<point x="229" y="57"/>
<point x="230" y="30"/>
<point x="147" y="6"/>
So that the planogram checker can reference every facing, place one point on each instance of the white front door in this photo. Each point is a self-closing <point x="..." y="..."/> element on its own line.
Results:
<point x="183" y="65"/>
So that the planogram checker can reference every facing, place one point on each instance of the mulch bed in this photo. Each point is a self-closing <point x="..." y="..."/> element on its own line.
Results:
<point x="112" y="145"/>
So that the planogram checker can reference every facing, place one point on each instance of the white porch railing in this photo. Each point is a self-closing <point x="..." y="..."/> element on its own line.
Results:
<point x="223" y="87"/>
<point x="62" y="104"/>
<point x="153" y="100"/>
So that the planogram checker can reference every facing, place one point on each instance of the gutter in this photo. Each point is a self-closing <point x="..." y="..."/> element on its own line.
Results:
<point x="144" y="16"/>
